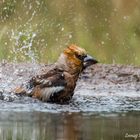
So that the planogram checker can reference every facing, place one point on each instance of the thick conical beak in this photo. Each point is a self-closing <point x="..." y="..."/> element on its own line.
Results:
<point x="89" y="60"/>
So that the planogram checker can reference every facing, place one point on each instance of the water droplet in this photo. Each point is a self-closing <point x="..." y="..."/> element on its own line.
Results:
<point x="70" y="36"/>
<point x="125" y="17"/>
<point x="62" y="29"/>
<point x="37" y="2"/>
<point x="102" y="42"/>
<point x="107" y="34"/>
<point x="106" y="20"/>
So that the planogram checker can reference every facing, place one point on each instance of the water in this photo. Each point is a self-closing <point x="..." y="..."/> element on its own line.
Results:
<point x="100" y="109"/>
<point x="68" y="126"/>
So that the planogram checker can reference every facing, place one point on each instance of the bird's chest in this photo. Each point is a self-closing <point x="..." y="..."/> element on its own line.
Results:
<point x="69" y="89"/>
<point x="67" y="93"/>
<point x="71" y="83"/>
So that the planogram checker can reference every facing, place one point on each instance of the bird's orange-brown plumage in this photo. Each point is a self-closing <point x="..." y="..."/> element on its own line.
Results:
<point x="58" y="83"/>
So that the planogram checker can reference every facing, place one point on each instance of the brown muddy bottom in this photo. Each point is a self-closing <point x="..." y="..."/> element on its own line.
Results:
<point x="101" y="88"/>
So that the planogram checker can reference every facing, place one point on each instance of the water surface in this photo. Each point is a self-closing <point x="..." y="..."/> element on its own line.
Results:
<point x="68" y="126"/>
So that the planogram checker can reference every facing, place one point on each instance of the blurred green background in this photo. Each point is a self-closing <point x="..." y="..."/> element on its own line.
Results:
<point x="39" y="30"/>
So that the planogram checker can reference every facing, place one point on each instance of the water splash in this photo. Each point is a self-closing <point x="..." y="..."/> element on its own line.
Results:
<point x="23" y="45"/>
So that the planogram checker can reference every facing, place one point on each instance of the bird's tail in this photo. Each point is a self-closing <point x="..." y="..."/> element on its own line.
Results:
<point x="23" y="90"/>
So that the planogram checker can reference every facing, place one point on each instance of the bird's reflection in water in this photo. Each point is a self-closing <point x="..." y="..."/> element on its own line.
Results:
<point x="65" y="126"/>
<point x="39" y="126"/>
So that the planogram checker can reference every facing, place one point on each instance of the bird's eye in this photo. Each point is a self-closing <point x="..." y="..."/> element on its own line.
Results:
<point x="81" y="57"/>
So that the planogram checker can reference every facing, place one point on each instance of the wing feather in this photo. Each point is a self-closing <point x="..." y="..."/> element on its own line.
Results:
<point x="49" y="85"/>
<point x="51" y="92"/>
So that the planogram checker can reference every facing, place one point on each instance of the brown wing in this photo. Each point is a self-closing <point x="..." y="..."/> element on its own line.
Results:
<point x="40" y="79"/>
<point x="49" y="85"/>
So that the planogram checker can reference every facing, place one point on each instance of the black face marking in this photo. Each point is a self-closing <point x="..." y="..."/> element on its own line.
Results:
<point x="81" y="57"/>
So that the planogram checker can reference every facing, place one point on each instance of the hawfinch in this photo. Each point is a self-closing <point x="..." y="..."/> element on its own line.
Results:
<point x="57" y="84"/>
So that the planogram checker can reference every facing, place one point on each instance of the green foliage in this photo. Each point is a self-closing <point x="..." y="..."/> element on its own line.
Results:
<point x="108" y="30"/>
<point x="7" y="9"/>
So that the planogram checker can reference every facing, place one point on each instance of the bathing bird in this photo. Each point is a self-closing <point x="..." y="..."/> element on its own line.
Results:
<point x="57" y="83"/>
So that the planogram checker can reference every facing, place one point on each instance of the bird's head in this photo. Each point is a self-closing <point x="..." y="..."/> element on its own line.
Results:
<point x="76" y="58"/>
